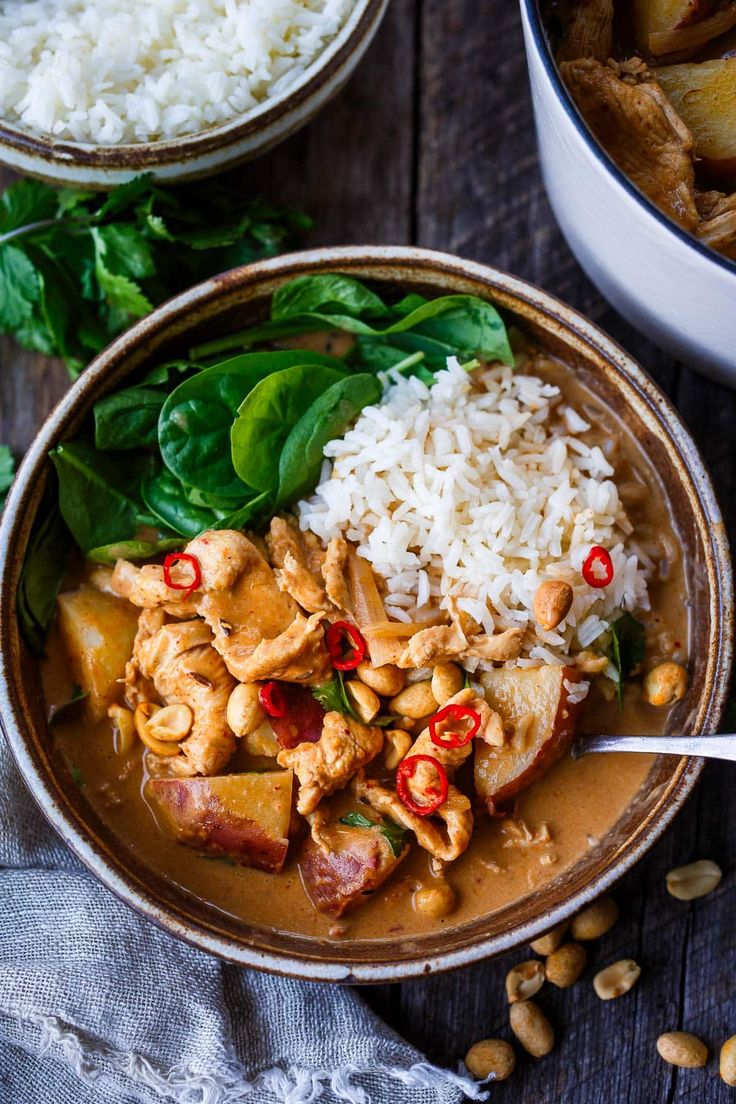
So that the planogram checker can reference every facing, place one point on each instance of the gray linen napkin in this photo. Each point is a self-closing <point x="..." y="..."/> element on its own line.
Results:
<point x="97" y="1005"/>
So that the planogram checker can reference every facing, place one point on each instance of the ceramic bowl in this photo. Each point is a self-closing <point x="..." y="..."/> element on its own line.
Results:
<point x="208" y="151"/>
<point x="664" y="281"/>
<point x="225" y="304"/>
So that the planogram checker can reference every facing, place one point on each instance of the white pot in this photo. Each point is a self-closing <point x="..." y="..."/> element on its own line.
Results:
<point x="660" y="278"/>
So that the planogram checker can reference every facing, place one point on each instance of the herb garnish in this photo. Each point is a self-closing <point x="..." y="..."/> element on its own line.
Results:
<point x="77" y="695"/>
<point x="395" y="836"/>
<point x="333" y="698"/>
<point x="625" y="645"/>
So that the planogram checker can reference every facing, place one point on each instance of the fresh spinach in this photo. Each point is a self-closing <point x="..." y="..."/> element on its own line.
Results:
<point x="133" y="550"/>
<point x="43" y="571"/>
<point x="328" y="417"/>
<point x="254" y="511"/>
<point x="128" y="419"/>
<point x="166" y="498"/>
<point x="326" y="293"/>
<point x="392" y="833"/>
<point x="267" y="416"/>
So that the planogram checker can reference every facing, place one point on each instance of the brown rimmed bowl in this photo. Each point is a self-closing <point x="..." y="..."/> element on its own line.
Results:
<point x="220" y="147"/>
<point x="225" y="304"/>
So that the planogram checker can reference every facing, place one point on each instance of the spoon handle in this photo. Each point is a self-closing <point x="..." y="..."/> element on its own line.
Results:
<point x="720" y="746"/>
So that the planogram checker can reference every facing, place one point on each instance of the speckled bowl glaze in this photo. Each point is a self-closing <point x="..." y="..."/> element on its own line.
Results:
<point x="208" y="151"/>
<point x="224" y="304"/>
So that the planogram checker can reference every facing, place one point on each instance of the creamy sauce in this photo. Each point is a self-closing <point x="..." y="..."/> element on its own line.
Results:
<point x="553" y="823"/>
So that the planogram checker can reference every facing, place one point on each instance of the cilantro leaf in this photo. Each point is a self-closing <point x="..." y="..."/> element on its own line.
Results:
<point x="332" y="697"/>
<point x="7" y="472"/>
<point x="19" y="287"/>
<point x="393" y="833"/>
<point x="26" y="201"/>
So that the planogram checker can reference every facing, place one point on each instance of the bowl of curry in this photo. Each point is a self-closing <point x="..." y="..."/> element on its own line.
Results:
<point x="310" y="581"/>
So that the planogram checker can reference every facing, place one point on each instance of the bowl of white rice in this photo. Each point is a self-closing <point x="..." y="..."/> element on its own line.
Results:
<point x="93" y="92"/>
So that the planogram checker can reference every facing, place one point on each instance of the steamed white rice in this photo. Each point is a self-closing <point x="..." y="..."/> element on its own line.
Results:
<point x="126" y="71"/>
<point x="480" y="491"/>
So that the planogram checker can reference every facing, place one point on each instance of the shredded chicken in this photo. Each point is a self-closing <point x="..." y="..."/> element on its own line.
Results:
<point x="289" y="555"/>
<point x="334" y="571"/>
<point x="638" y="126"/>
<point x="296" y="655"/>
<point x="327" y="765"/>
<point x="589" y="34"/>
<point x="717" y="227"/>
<point x="447" y="842"/>
<point x="444" y="643"/>
<point x="184" y="667"/>
<point x="145" y="587"/>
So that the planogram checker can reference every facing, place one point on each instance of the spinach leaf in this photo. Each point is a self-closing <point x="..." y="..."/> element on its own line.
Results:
<point x="268" y="414"/>
<point x="624" y="642"/>
<point x="77" y="695"/>
<point x="393" y="833"/>
<point x="132" y="550"/>
<point x="196" y="419"/>
<point x="250" y="513"/>
<point x="43" y="571"/>
<point x="166" y="498"/>
<point x="170" y="373"/>
<point x="382" y="353"/>
<point x="7" y="472"/>
<point x="328" y="417"/>
<point x="99" y="494"/>
<point x="327" y="293"/>
<point x="128" y="419"/>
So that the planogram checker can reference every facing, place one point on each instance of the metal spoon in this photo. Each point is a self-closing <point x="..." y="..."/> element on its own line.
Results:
<point x="720" y="746"/>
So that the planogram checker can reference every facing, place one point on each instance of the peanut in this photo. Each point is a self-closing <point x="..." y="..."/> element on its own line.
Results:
<point x="565" y="965"/>
<point x="524" y="981"/>
<point x="552" y="603"/>
<point x="395" y="746"/>
<point x="682" y="1049"/>
<point x="617" y="979"/>
<point x="364" y="701"/>
<point x="492" y="1058"/>
<point x="416" y="701"/>
<point x="727" y="1062"/>
<point x="694" y="880"/>
<point x="596" y="920"/>
<point x="547" y="944"/>
<point x="447" y="680"/>
<point x="244" y="710"/>
<point x="172" y="723"/>
<point x="387" y="680"/>
<point x="666" y="683"/>
<point x="532" y="1028"/>
<point x="141" y="717"/>
<point x="261" y="741"/>
<point x="123" y="729"/>
<point x="434" y="901"/>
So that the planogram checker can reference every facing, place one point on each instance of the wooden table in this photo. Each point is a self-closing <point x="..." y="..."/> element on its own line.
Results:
<point x="433" y="143"/>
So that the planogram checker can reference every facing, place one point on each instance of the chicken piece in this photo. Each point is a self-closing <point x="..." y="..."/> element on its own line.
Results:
<point x="717" y="227"/>
<point x="289" y="555"/>
<point x="443" y="643"/>
<point x="637" y="125"/>
<point x="223" y="555"/>
<point x="297" y="655"/>
<point x="334" y="574"/>
<point x="496" y="648"/>
<point x="453" y="757"/>
<point x="327" y="765"/>
<point x="137" y="688"/>
<point x="145" y="587"/>
<point x="589" y="34"/>
<point x="184" y="667"/>
<point x="447" y="842"/>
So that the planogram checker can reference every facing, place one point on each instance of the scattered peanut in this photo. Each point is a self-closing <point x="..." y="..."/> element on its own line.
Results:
<point x="524" y="981"/>
<point x="434" y="901"/>
<point x="172" y="723"/>
<point x="387" y="680"/>
<point x="493" y="1058"/>
<point x="552" y="603"/>
<point x="415" y="701"/>
<point x="262" y="741"/>
<point x="532" y="1028"/>
<point x="547" y="944"/>
<point x="727" y="1062"/>
<point x="565" y="965"/>
<point x="591" y="663"/>
<point x="395" y="746"/>
<point x="694" y="880"/>
<point x="447" y="680"/>
<point x="141" y="717"/>
<point x="596" y="920"/>
<point x="617" y="979"/>
<point x="680" y="1048"/>
<point x="364" y="701"/>
<point x="244" y="710"/>
<point x="666" y="683"/>
<point x="123" y="729"/>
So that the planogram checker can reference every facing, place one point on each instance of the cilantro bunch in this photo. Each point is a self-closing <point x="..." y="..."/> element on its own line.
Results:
<point x="78" y="267"/>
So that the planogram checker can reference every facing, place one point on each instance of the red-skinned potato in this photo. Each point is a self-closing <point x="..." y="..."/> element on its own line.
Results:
<point x="243" y="816"/>
<point x="540" y="721"/>
<point x="346" y="866"/>
<point x="97" y="632"/>
<point x="704" y="96"/>
<point x="650" y="16"/>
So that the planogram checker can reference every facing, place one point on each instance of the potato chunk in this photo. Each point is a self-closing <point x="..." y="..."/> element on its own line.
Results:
<point x="344" y="865"/>
<point x="97" y="631"/>
<point x="704" y="96"/>
<point x="650" y="16"/>
<point x="243" y="816"/>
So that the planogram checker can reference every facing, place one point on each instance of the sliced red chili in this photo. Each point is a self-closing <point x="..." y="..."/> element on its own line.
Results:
<point x="273" y="700"/>
<point x="454" y="714"/>
<point x="437" y="796"/>
<point x="184" y="558"/>
<point x="347" y="646"/>
<point x="598" y="567"/>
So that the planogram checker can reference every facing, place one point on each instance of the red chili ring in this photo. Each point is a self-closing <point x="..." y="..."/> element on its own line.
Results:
<point x="454" y="739"/>
<point x="406" y="770"/>
<point x="272" y="698"/>
<point x="182" y="557"/>
<point x="598" y="557"/>
<point x="335" y="639"/>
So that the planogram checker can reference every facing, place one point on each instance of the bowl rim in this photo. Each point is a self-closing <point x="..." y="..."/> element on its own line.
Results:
<point x="544" y="52"/>
<point x="363" y="19"/>
<point x="18" y="517"/>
